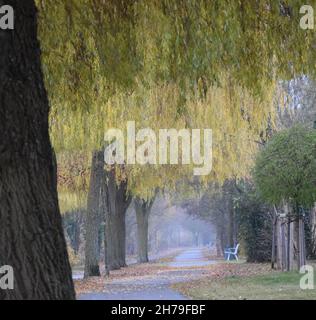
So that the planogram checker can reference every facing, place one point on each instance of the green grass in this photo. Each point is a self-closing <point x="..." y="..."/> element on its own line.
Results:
<point x="274" y="286"/>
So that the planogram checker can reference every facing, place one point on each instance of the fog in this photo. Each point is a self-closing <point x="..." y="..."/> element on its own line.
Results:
<point x="170" y="227"/>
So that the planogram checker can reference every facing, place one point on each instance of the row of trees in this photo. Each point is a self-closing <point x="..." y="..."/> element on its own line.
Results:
<point x="169" y="228"/>
<point x="89" y="95"/>
<point x="273" y="211"/>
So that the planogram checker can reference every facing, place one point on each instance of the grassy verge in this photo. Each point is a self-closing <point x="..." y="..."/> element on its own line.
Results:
<point x="274" y="286"/>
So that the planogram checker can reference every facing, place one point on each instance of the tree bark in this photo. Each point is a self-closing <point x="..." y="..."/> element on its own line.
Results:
<point x="93" y="219"/>
<point x="273" y="244"/>
<point x="111" y="225"/>
<point x="280" y="245"/>
<point x="300" y="242"/>
<point x="77" y="232"/>
<point x="230" y="225"/>
<point x="117" y="203"/>
<point x="313" y="230"/>
<point x="299" y="239"/>
<point x="142" y="208"/>
<point x="121" y="215"/>
<point x="291" y="252"/>
<point x="105" y="220"/>
<point x="122" y="203"/>
<point x="31" y="234"/>
<point x="288" y="250"/>
<point x="219" y="246"/>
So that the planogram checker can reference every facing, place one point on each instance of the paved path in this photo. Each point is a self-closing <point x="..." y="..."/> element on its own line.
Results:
<point x="191" y="258"/>
<point x="155" y="287"/>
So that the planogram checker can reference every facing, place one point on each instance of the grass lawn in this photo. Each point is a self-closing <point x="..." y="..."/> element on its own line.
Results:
<point x="275" y="286"/>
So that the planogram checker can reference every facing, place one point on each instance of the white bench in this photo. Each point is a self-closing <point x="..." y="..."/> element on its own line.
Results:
<point x="232" y="251"/>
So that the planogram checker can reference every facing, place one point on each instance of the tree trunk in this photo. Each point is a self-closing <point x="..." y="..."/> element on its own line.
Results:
<point x="142" y="237"/>
<point x="111" y="232"/>
<point x="299" y="239"/>
<point x="122" y="203"/>
<point x="291" y="252"/>
<point x="105" y="220"/>
<point x="219" y="249"/>
<point x="280" y="245"/>
<point x="288" y="237"/>
<point x="93" y="219"/>
<point x="77" y="231"/>
<point x="121" y="215"/>
<point x="279" y="262"/>
<point x="142" y="208"/>
<point x="313" y="230"/>
<point x="273" y="249"/>
<point x="288" y="250"/>
<point x="231" y="226"/>
<point x="31" y="234"/>
<point x="300" y="243"/>
<point x="117" y="204"/>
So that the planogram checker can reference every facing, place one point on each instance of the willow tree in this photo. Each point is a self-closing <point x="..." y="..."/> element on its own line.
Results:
<point x="165" y="64"/>
<point x="32" y="239"/>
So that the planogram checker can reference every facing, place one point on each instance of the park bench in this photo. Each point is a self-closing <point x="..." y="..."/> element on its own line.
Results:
<point x="231" y="252"/>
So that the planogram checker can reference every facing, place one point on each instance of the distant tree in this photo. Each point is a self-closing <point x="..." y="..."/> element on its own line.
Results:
<point x="285" y="170"/>
<point x="254" y="219"/>
<point x="215" y="205"/>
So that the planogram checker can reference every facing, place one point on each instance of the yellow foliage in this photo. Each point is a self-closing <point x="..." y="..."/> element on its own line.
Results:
<point x="167" y="64"/>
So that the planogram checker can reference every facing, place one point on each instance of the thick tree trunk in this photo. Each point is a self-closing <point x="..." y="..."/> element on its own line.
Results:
<point x="93" y="219"/>
<point x="111" y="225"/>
<point x="117" y="204"/>
<point x="142" y="215"/>
<point x="112" y="233"/>
<point x="105" y="220"/>
<point x="121" y="215"/>
<point x="122" y="203"/>
<point x="142" y="208"/>
<point x="31" y="234"/>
